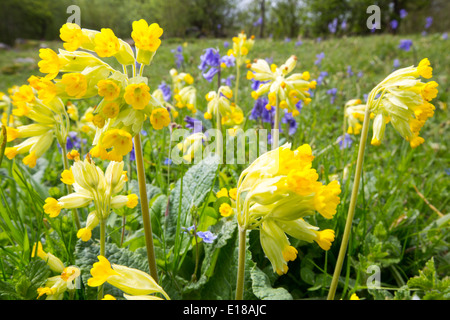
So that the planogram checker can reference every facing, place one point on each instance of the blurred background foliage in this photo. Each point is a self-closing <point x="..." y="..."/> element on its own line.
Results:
<point x="41" y="19"/>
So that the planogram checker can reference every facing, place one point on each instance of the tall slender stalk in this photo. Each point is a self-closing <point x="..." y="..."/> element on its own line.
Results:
<point x="351" y="209"/>
<point x="241" y="264"/>
<point x="236" y="86"/>
<point x="276" y="127"/>
<point x="145" y="207"/>
<point x="102" y="248"/>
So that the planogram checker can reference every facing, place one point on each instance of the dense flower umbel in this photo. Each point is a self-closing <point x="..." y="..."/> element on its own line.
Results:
<point x="275" y="194"/>
<point x="126" y="102"/>
<point x="219" y="102"/>
<point x="92" y="186"/>
<point x="131" y="281"/>
<point x="49" y="121"/>
<point x="403" y="100"/>
<point x="354" y="112"/>
<point x="241" y="47"/>
<point x="287" y="90"/>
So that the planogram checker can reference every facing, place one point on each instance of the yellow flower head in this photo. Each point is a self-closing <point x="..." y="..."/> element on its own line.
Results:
<point x="160" y="118"/>
<point x="222" y="193"/>
<point x="72" y="35"/>
<point x="225" y="209"/>
<point x="146" y="37"/>
<point x="52" y="207"/>
<point x="100" y="272"/>
<point x="137" y="95"/>
<point x="106" y="43"/>
<point x="108" y="89"/>
<point x="120" y="141"/>
<point x="325" y="238"/>
<point x="67" y="177"/>
<point x="111" y="110"/>
<point x="75" y="84"/>
<point x="49" y="63"/>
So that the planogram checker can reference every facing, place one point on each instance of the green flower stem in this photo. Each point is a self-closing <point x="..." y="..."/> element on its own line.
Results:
<point x="241" y="264"/>
<point x="69" y="187"/>
<point x="351" y="209"/>
<point x="236" y="87"/>
<point x="145" y="207"/>
<point x="276" y="127"/>
<point x="102" y="249"/>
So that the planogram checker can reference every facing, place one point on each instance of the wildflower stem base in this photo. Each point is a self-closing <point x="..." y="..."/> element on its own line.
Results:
<point x="241" y="264"/>
<point x="351" y="209"/>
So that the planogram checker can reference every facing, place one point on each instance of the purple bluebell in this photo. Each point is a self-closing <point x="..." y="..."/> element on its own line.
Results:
<point x="167" y="93"/>
<point x="167" y="161"/>
<point x="428" y="22"/>
<point x="332" y="26"/>
<point x="259" y="111"/>
<point x="319" y="59"/>
<point x="321" y="77"/>
<point x="403" y="13"/>
<point x="345" y="142"/>
<point x="350" y="71"/>
<point x="179" y="58"/>
<point x="227" y="81"/>
<point x="258" y="22"/>
<point x="226" y="44"/>
<point x="291" y="122"/>
<point x="298" y="43"/>
<point x="360" y="74"/>
<point x="207" y="236"/>
<point x="445" y="36"/>
<point x="396" y="63"/>
<point x="209" y="75"/>
<point x="230" y="61"/>
<point x="287" y="39"/>
<point x="194" y="124"/>
<point x="394" y="24"/>
<point x="73" y="141"/>
<point x="319" y="39"/>
<point x="332" y="92"/>
<point x="405" y="44"/>
<point x="344" y="25"/>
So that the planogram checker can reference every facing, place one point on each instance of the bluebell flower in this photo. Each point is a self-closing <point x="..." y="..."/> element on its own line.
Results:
<point x="321" y="77"/>
<point x="405" y="44"/>
<point x="207" y="236"/>
<point x="73" y="141"/>
<point x="319" y="57"/>
<point x="428" y="22"/>
<point x="193" y="124"/>
<point x="444" y="36"/>
<point x="332" y="26"/>
<point x="167" y="161"/>
<point x="319" y="39"/>
<point x="226" y="44"/>
<point x="345" y="142"/>
<point x="396" y="63"/>
<point x="227" y="80"/>
<point x="229" y="61"/>
<point x="360" y="74"/>
<point x="298" y="43"/>
<point x="258" y="22"/>
<point x="403" y="13"/>
<point x="332" y="92"/>
<point x="287" y="39"/>
<point x="167" y="93"/>
<point x="291" y="122"/>
<point x="259" y="111"/>
<point x="344" y="25"/>
<point x="394" y="24"/>
<point x="350" y="71"/>
<point x="209" y="75"/>
<point x="179" y="58"/>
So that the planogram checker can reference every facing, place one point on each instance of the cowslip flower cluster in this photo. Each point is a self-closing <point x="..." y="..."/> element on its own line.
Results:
<point x="92" y="186"/>
<point x="56" y="286"/>
<point x="49" y="121"/>
<point x="219" y="103"/>
<point x="275" y="194"/>
<point x="126" y="101"/>
<point x="185" y="94"/>
<point x="283" y="91"/>
<point x="227" y="209"/>
<point x="132" y="282"/>
<point x="241" y="47"/>
<point x="403" y="100"/>
<point x="354" y="111"/>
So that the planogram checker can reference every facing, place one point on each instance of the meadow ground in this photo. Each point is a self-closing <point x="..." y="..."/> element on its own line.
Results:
<point x="401" y="219"/>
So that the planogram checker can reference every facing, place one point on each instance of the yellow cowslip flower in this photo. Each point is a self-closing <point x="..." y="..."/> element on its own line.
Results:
<point x="219" y="102"/>
<point x="108" y="89"/>
<point x="56" y="286"/>
<point x="137" y="95"/>
<point x="50" y="63"/>
<point x="402" y="99"/>
<point x="131" y="281"/>
<point x="118" y="140"/>
<point x="67" y="177"/>
<point x="73" y="36"/>
<point x="235" y="117"/>
<point x="241" y="47"/>
<point x="276" y="193"/>
<point x="354" y="297"/>
<point x="222" y="193"/>
<point x="191" y="145"/>
<point x="160" y="118"/>
<point x="283" y="91"/>
<point x="186" y="97"/>
<point x="146" y="39"/>
<point x="232" y="193"/>
<point x="93" y="186"/>
<point x="53" y="262"/>
<point x="110" y="110"/>
<point x="354" y="112"/>
<point x="225" y="210"/>
<point x="49" y="122"/>
<point x="106" y="43"/>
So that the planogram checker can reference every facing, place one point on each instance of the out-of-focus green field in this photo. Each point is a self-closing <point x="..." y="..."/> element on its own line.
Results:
<point x="401" y="219"/>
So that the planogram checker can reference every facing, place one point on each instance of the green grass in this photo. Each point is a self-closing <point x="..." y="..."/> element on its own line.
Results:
<point x="395" y="228"/>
